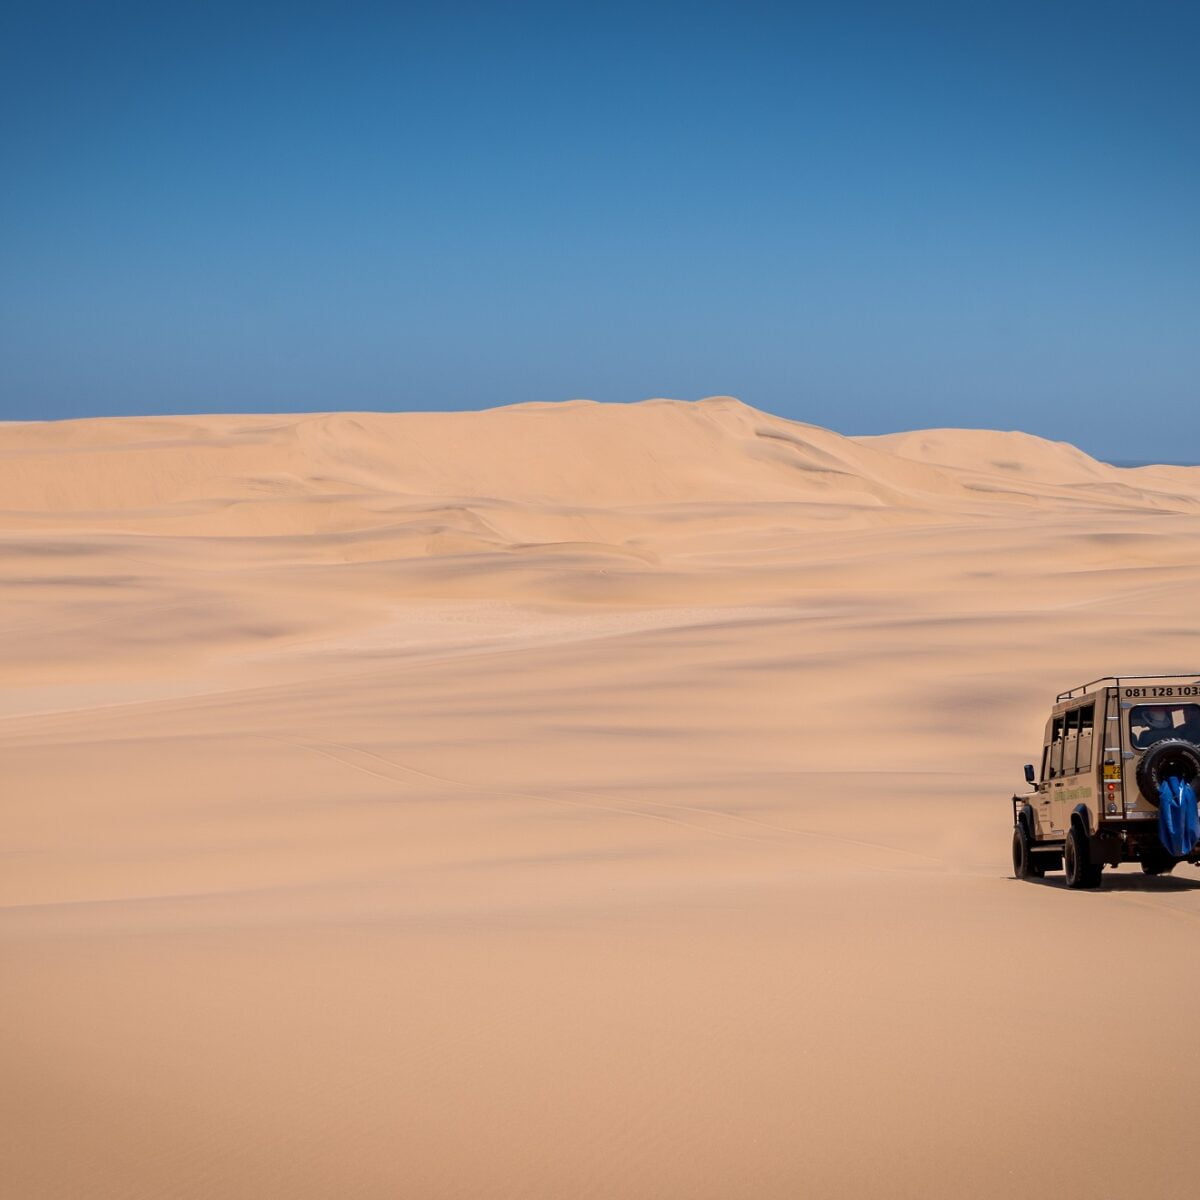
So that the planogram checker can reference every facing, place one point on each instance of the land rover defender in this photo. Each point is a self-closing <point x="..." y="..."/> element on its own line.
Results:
<point x="1109" y="747"/>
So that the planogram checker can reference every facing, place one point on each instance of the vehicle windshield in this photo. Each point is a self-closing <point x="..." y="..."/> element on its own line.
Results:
<point x="1150" y="723"/>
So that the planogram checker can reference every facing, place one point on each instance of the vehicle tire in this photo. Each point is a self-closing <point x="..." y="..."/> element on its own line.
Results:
<point x="1157" y="868"/>
<point x="1025" y="863"/>
<point x="1081" y="871"/>
<point x="1157" y="864"/>
<point x="1173" y="756"/>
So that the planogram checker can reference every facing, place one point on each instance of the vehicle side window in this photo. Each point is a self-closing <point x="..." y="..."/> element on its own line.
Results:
<point x="1045" y="763"/>
<point x="1070" y="740"/>
<point x="1087" y="719"/>
<point x="1056" y="748"/>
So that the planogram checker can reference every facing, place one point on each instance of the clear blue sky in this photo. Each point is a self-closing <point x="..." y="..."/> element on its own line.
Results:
<point x="869" y="216"/>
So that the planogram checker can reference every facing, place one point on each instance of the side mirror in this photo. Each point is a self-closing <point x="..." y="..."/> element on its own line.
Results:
<point x="1029" y="773"/>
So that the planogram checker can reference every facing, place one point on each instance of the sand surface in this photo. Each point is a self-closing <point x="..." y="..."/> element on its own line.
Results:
<point x="573" y="801"/>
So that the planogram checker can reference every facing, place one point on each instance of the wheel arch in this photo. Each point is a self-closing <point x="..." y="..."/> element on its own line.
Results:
<point x="1025" y="816"/>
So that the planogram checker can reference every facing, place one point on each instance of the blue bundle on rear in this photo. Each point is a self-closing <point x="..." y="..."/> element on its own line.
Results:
<point x="1178" y="821"/>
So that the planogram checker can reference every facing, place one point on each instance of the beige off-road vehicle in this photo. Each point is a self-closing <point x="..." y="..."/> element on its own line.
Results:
<point x="1109" y="746"/>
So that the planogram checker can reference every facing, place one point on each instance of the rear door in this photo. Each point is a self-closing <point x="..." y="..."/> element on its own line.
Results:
<point x="1079" y="753"/>
<point x="1054" y="810"/>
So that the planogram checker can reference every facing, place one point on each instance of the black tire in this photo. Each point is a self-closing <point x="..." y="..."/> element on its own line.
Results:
<point x="1173" y="756"/>
<point x="1077" y="862"/>
<point x="1026" y="864"/>
<point x="1157" y="864"/>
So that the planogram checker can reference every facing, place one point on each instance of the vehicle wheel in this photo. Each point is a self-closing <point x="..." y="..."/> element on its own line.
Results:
<point x="1081" y="871"/>
<point x="1025" y="865"/>
<point x="1157" y="864"/>
<point x="1173" y="756"/>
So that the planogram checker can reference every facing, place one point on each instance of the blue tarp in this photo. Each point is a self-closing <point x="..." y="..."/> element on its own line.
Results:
<point x="1178" y="823"/>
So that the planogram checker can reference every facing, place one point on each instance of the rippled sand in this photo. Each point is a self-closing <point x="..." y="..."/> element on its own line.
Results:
<point x="573" y="801"/>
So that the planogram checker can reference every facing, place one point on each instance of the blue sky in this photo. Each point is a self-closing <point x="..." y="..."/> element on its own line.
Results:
<point x="868" y="216"/>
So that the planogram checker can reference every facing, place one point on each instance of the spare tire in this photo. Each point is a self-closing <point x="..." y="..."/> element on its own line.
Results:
<point x="1172" y="756"/>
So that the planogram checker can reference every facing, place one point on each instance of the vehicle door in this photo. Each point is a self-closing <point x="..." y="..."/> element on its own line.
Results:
<point x="1065" y="732"/>
<point x="1048" y="810"/>
<point x="1079" y="748"/>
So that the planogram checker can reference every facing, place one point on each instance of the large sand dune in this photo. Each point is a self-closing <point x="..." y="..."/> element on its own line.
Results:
<point x="573" y="801"/>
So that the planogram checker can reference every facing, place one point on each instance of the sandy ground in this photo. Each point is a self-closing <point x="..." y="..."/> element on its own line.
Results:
<point x="573" y="801"/>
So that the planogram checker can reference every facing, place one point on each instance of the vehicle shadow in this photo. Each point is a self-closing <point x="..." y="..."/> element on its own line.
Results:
<point x="1146" y="883"/>
<point x="1155" y="884"/>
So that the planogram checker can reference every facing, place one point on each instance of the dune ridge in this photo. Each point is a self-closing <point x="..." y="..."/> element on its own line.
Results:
<point x="580" y="454"/>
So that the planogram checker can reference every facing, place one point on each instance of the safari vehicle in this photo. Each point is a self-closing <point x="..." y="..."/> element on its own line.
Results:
<point x="1109" y="746"/>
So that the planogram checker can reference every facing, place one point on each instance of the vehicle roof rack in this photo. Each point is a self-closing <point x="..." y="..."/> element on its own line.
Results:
<point x="1118" y="680"/>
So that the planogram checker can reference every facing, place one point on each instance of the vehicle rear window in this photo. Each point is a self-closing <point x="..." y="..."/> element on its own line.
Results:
<point x="1150" y="723"/>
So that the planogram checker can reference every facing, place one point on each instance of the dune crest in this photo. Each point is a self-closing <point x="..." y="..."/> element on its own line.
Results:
<point x="336" y="472"/>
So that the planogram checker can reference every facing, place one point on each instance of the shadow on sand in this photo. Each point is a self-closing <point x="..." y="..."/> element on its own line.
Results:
<point x="1112" y="882"/>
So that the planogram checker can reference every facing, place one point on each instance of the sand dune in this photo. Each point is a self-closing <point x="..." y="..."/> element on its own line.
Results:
<point x="1011" y="454"/>
<point x="580" y="452"/>
<point x="572" y="800"/>
<point x="343" y="470"/>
